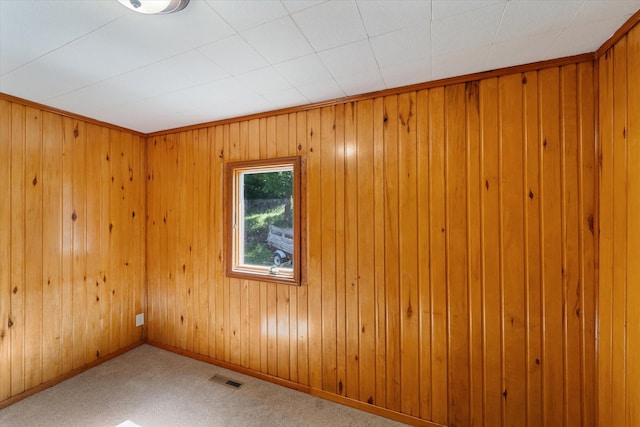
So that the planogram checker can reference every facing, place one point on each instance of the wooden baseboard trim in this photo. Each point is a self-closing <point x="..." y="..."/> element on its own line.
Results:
<point x="387" y="413"/>
<point x="45" y="385"/>
<point x="393" y="415"/>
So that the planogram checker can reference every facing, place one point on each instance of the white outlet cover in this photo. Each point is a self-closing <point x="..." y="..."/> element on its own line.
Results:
<point x="139" y="319"/>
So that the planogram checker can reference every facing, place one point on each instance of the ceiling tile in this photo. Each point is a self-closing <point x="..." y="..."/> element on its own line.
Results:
<point x="355" y="58"/>
<point x="304" y="70"/>
<point x="195" y="67"/>
<point x="368" y="81"/>
<point x="100" y="55"/>
<point x="264" y="80"/>
<point x="506" y="54"/>
<point x="441" y="9"/>
<point x="381" y="16"/>
<point x="197" y="24"/>
<point x="322" y="90"/>
<point x="286" y="98"/>
<point x="41" y="80"/>
<point x="406" y="73"/>
<point x="31" y="28"/>
<point x="220" y="92"/>
<point x="480" y="27"/>
<point x="331" y="24"/>
<point x="242" y="14"/>
<point x="463" y="62"/>
<point x="234" y="55"/>
<point x="524" y="18"/>
<point x="296" y="5"/>
<point x="83" y="99"/>
<point x="582" y="38"/>
<point x="278" y="40"/>
<point x="598" y="10"/>
<point x="406" y="45"/>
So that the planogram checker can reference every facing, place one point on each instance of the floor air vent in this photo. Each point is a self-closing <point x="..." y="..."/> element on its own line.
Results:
<point x="219" y="379"/>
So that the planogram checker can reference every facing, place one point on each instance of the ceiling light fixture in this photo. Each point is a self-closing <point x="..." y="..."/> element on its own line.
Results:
<point x="152" y="7"/>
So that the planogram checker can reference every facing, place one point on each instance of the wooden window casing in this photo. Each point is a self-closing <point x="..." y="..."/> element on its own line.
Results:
<point x="234" y="217"/>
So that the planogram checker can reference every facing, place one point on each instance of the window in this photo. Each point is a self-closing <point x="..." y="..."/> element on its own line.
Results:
<point x="263" y="220"/>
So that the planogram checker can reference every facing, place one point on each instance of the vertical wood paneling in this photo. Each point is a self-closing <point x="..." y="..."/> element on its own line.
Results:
<point x="341" y="262"/>
<point x="532" y="249"/>
<point x="92" y="286"/>
<point x="491" y="249"/>
<point x="587" y="231"/>
<point x="437" y="262"/>
<point x="314" y="263"/>
<point x="620" y="200"/>
<point x="408" y="241"/>
<point x="5" y="250"/>
<point x="16" y="320"/>
<point x="552" y="253"/>
<point x="55" y="245"/>
<point x="378" y="237"/>
<point x="391" y="238"/>
<point x="52" y="244"/>
<point x="351" y="251"/>
<point x="365" y="258"/>
<point x="79" y="254"/>
<point x="328" y="243"/>
<point x="456" y="254"/>
<point x="474" y="189"/>
<point x="33" y="248"/>
<point x="619" y="225"/>
<point x="424" y="254"/>
<point x="632" y="416"/>
<point x="449" y="254"/>
<point x="512" y="197"/>
<point x="570" y="237"/>
<point x="303" y="291"/>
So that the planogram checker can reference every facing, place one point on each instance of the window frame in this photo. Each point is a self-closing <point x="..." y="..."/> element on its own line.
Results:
<point x="232" y="246"/>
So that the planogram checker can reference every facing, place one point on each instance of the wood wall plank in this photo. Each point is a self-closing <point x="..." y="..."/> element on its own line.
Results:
<point x="33" y="248"/>
<point x="17" y="319"/>
<point x="491" y="262"/>
<point x="512" y="196"/>
<point x="5" y="249"/>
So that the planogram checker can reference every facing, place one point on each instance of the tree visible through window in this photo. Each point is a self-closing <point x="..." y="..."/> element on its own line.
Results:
<point x="262" y="219"/>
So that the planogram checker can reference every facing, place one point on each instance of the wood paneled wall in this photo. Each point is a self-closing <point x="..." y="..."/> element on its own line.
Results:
<point x="619" y="290"/>
<point x="72" y="210"/>
<point x="451" y="251"/>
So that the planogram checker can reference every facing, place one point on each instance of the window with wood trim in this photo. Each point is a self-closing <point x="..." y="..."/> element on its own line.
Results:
<point x="263" y="220"/>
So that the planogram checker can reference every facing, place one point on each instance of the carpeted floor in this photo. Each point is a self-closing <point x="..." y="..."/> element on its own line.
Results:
<point x="150" y="387"/>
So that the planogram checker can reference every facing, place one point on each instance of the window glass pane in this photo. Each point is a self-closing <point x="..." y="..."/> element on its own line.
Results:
<point x="267" y="229"/>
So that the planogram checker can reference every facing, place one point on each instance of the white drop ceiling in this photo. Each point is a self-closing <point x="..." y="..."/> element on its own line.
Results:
<point x="223" y="59"/>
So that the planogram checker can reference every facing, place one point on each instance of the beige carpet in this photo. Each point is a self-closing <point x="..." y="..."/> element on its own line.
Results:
<point x="150" y="387"/>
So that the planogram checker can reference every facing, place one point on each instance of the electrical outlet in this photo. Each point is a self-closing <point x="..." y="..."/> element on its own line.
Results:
<point x="139" y="319"/>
